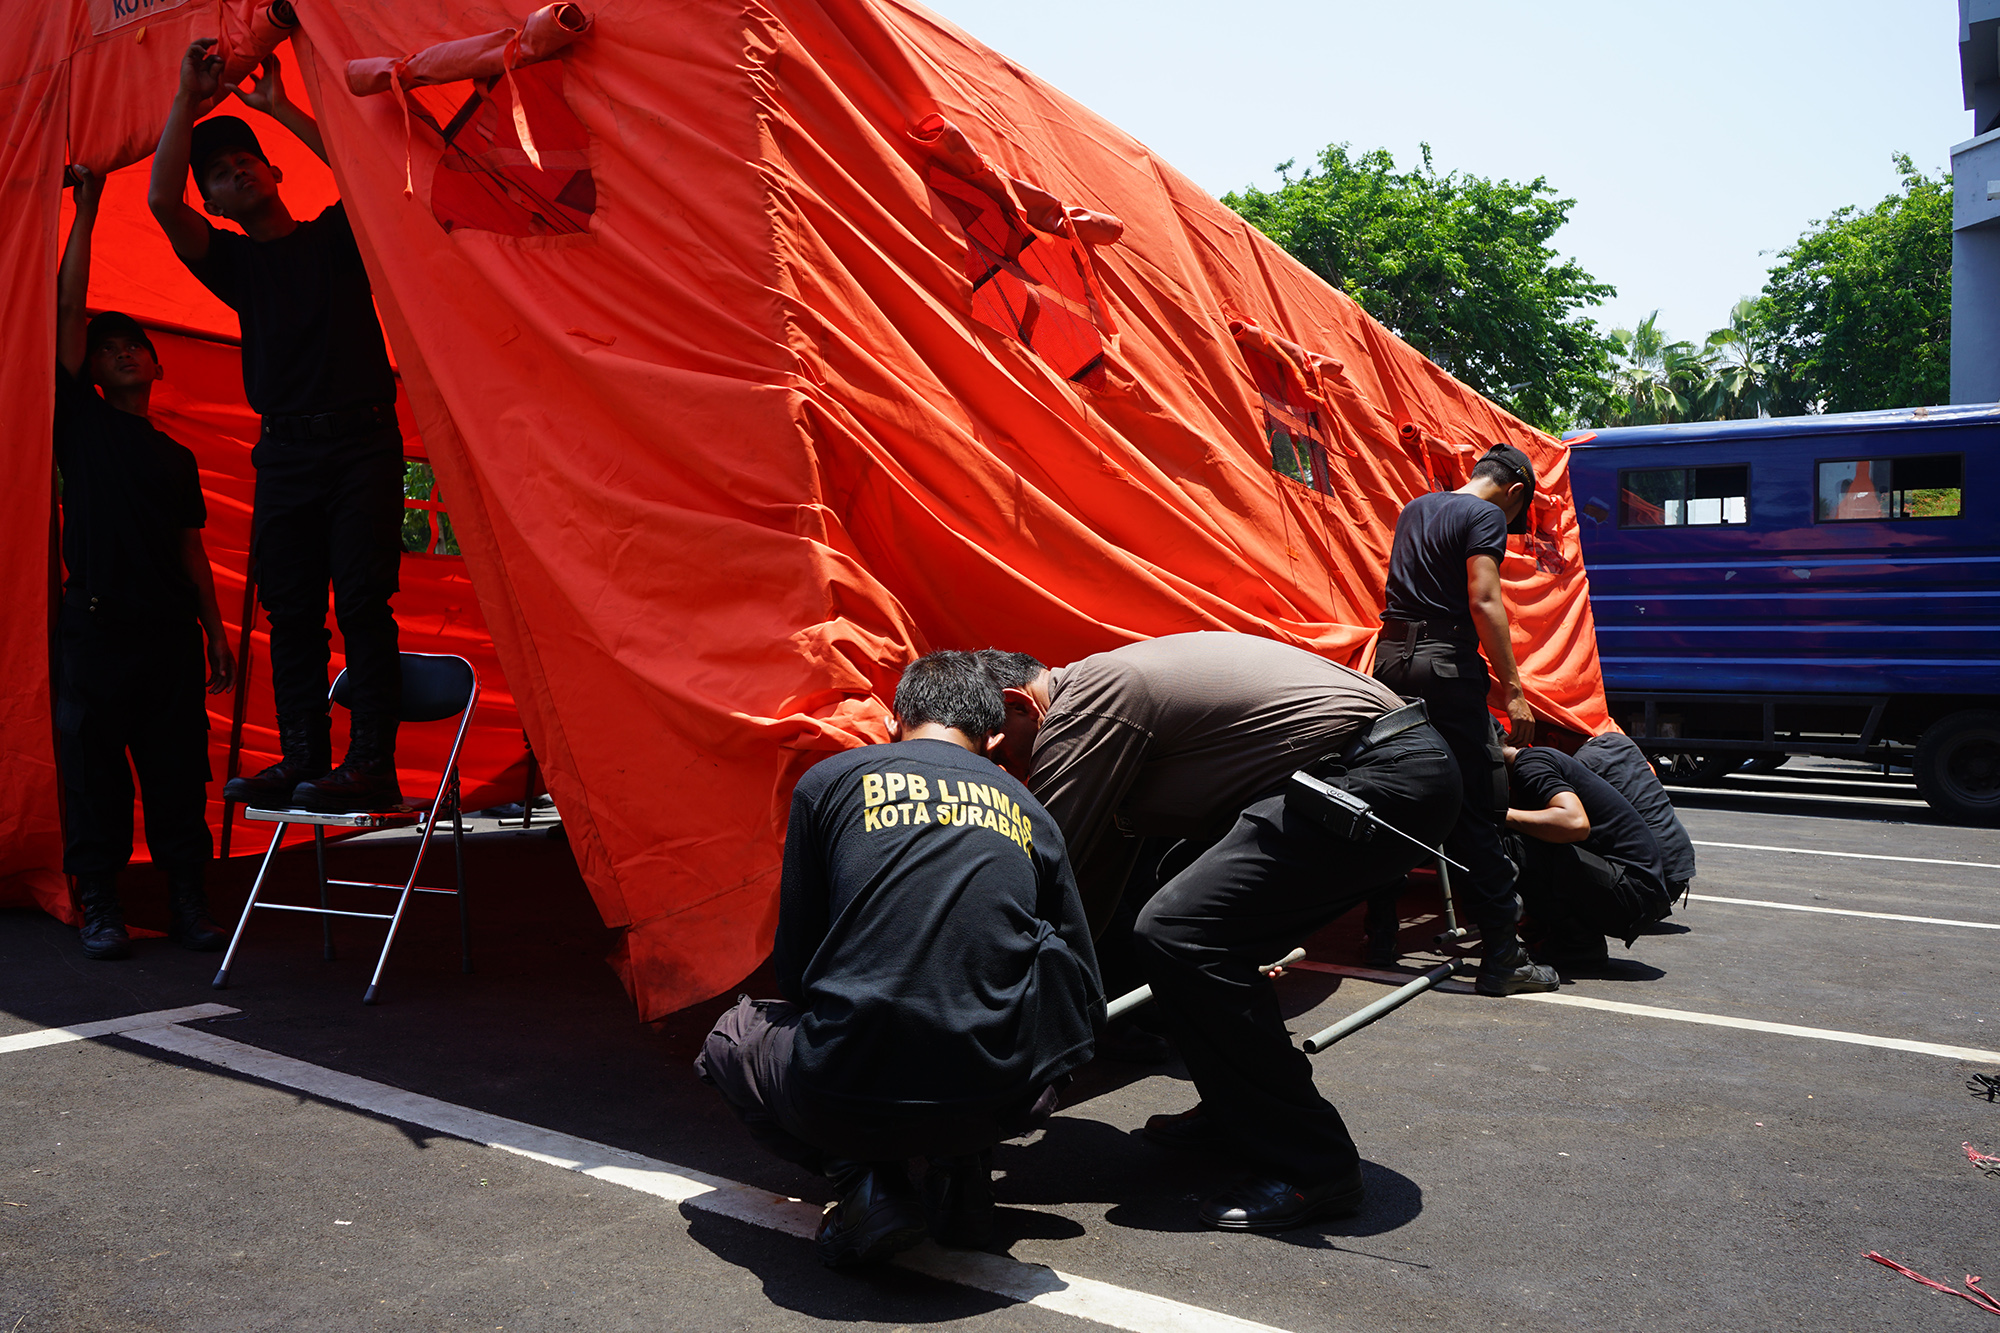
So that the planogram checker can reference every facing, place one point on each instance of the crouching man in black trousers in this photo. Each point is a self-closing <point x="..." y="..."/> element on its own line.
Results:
<point x="936" y="969"/>
<point x="1194" y="736"/>
<point x="1590" y="865"/>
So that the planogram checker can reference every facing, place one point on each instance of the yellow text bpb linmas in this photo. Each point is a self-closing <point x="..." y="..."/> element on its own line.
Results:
<point x="892" y="800"/>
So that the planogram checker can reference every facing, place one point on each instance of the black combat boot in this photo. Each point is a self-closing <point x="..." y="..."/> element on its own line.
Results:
<point x="875" y="1218"/>
<point x="308" y="753"/>
<point x="1506" y="968"/>
<point x="958" y="1200"/>
<point x="187" y="915"/>
<point x="366" y="779"/>
<point x="103" y="931"/>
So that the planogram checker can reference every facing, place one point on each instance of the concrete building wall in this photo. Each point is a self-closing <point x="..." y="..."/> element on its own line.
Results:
<point x="1975" y="211"/>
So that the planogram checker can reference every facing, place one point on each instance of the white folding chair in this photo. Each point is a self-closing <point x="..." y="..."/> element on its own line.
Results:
<point x="436" y="687"/>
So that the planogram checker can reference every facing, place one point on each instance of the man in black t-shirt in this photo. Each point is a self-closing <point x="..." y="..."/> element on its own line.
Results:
<point x="329" y="460"/>
<point x="1444" y="606"/>
<point x="936" y="969"/>
<point x="137" y="601"/>
<point x="1590" y="865"/>
<point x="1617" y="759"/>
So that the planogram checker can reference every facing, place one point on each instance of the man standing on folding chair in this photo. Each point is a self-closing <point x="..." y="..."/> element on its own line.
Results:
<point x="329" y="460"/>
<point x="137" y="602"/>
<point x="1194" y="736"/>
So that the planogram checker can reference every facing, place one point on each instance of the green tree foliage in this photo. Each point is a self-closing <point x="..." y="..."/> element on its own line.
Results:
<point x="1654" y="379"/>
<point x="1457" y="266"/>
<point x="1860" y="308"/>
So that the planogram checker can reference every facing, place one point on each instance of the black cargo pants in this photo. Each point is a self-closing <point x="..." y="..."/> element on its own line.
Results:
<point x="330" y="511"/>
<point x="134" y="689"/>
<point x="1270" y="880"/>
<point x="1451" y="678"/>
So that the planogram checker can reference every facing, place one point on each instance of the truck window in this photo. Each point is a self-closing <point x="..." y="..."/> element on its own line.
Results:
<point x="1678" y="497"/>
<point x="1855" y="490"/>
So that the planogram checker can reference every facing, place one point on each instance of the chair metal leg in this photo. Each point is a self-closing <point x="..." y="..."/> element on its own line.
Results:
<point x="325" y="922"/>
<point x="249" y="905"/>
<point x="458" y="855"/>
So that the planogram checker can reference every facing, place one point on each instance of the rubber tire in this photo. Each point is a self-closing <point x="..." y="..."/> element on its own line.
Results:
<point x="1948" y="749"/>
<point x="1764" y="762"/>
<point x="1699" y="770"/>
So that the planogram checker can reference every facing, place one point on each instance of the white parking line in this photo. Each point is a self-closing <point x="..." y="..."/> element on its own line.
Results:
<point x="1792" y="796"/>
<point x="1029" y="1284"/>
<point x="28" y="1041"/>
<point x="1852" y="856"/>
<point x="1758" y="1025"/>
<point x="1843" y="911"/>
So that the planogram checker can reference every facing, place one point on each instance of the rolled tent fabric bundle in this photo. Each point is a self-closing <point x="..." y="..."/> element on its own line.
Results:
<point x="547" y="32"/>
<point x="247" y="47"/>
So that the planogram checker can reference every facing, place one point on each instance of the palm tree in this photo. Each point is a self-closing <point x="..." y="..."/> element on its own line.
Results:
<point x="1742" y="371"/>
<point x="1653" y="380"/>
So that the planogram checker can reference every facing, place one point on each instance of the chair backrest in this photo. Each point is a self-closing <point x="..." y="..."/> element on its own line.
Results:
<point x="435" y="686"/>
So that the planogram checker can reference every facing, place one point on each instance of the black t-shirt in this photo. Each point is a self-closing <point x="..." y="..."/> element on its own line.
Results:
<point x="929" y="927"/>
<point x="1617" y="831"/>
<point x="311" y="342"/>
<point x="1435" y="535"/>
<point x="128" y="491"/>
<point x="1617" y="759"/>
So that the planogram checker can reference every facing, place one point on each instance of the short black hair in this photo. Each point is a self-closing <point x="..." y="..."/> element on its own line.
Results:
<point x="1010" y="671"/>
<point x="952" y="689"/>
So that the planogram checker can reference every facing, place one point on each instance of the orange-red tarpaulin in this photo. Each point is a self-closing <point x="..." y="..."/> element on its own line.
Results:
<point x="814" y="336"/>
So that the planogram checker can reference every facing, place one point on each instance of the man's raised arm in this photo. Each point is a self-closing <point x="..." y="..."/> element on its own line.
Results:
<point x="73" y="278"/>
<point x="201" y="87"/>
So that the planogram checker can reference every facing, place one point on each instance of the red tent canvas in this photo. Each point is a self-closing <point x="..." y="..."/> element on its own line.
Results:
<point x="810" y="336"/>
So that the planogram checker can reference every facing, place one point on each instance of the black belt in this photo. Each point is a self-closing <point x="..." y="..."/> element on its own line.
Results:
<point x="1388" y="726"/>
<point x="1408" y="632"/>
<point x="331" y="425"/>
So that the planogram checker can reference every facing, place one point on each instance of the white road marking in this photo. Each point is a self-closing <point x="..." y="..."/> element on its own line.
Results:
<point x="1843" y="911"/>
<point x="1029" y="1284"/>
<point x="1852" y="856"/>
<point x="1758" y="1025"/>
<point x="28" y="1041"/>
<point x="1794" y="796"/>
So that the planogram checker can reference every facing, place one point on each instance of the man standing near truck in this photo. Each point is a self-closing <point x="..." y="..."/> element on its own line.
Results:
<point x="1444" y="606"/>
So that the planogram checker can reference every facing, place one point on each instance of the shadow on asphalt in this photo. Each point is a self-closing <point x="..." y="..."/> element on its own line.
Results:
<point x="794" y="1280"/>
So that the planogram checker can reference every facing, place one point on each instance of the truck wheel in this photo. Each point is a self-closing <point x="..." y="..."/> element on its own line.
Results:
<point x="1763" y="762"/>
<point x="1958" y="766"/>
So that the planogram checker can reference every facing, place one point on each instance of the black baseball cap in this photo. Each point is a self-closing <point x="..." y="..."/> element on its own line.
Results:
<point x="116" y="324"/>
<point x="220" y="134"/>
<point x="1516" y="462"/>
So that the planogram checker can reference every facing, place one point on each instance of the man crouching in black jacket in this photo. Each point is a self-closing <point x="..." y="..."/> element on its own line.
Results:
<point x="937" y="974"/>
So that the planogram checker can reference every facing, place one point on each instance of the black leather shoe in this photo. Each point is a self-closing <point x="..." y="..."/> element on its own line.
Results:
<point x="875" y="1218"/>
<point x="187" y="919"/>
<point x="1510" y="971"/>
<point x="304" y="744"/>
<point x="1263" y="1204"/>
<point x="349" y="789"/>
<point x="103" y="931"/>
<point x="958" y="1201"/>
<point x="1184" y="1131"/>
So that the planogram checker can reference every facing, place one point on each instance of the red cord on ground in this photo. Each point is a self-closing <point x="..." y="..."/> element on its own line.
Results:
<point x="1984" y="1161"/>
<point x="1977" y="1294"/>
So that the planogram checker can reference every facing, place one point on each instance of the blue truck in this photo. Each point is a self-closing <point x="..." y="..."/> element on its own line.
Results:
<point x="1822" y="585"/>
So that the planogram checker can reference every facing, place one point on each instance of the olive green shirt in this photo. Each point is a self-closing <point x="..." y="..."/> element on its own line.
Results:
<point x="1167" y="737"/>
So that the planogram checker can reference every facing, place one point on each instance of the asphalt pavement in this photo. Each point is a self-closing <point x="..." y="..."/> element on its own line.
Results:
<point x="1531" y="1165"/>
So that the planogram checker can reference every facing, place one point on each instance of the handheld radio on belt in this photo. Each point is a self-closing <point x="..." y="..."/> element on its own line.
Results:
<point x="1345" y="815"/>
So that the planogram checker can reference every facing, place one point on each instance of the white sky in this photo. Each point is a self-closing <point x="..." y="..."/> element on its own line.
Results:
<point x="1695" y="136"/>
